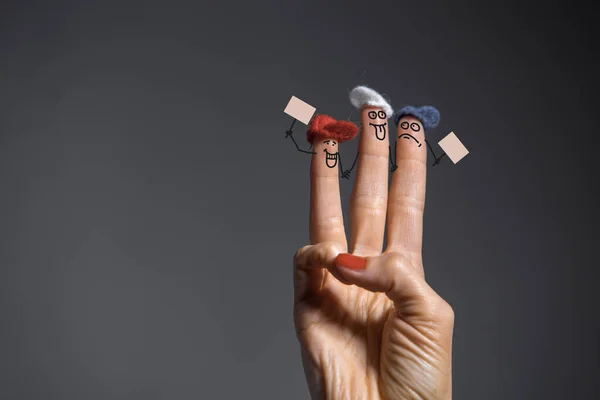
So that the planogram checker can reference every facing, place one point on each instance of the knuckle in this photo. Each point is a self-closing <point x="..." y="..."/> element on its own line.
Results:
<point x="370" y="200"/>
<point x="396" y="261"/>
<point x="321" y="251"/>
<point x="300" y="252"/>
<point x="327" y="250"/>
<point x="409" y="202"/>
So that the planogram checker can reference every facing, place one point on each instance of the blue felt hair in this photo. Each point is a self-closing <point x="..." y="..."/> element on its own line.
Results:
<point x="428" y="115"/>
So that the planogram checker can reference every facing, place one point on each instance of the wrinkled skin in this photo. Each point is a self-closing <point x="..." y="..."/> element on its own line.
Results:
<point x="380" y="332"/>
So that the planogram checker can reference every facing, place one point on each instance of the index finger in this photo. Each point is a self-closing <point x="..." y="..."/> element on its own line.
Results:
<point x="326" y="221"/>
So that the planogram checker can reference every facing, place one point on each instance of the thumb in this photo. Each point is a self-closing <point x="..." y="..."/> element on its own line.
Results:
<point x="392" y="274"/>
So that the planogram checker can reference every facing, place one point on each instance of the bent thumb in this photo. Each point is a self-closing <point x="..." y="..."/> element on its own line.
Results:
<point x="392" y="274"/>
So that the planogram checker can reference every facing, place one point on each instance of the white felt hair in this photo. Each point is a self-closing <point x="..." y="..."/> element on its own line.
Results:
<point x="362" y="96"/>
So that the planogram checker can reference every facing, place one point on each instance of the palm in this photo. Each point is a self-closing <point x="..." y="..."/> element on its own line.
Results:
<point x="343" y="326"/>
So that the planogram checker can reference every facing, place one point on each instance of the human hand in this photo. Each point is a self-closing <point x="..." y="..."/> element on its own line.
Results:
<point x="380" y="332"/>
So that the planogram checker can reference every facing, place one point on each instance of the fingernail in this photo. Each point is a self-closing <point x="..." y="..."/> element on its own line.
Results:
<point x="350" y="261"/>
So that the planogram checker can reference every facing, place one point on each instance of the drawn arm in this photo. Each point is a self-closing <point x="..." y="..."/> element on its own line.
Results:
<point x="344" y="175"/>
<point x="393" y="166"/>
<point x="299" y="149"/>
<point x="437" y="159"/>
<point x="289" y="133"/>
<point x="347" y="172"/>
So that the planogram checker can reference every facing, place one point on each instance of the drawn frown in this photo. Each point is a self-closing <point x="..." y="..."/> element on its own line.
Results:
<point x="409" y="130"/>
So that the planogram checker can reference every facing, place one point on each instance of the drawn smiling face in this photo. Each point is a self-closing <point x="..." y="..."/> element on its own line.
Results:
<point x="378" y="120"/>
<point x="411" y="129"/>
<point x="331" y="153"/>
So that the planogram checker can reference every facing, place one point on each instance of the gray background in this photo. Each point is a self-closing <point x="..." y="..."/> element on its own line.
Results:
<point x="150" y="204"/>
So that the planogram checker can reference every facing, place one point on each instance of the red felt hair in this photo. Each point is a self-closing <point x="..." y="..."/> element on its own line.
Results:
<point x="324" y="127"/>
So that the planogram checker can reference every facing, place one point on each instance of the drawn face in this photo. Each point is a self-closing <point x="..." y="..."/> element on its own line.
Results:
<point x="410" y="129"/>
<point x="329" y="148"/>
<point x="377" y="120"/>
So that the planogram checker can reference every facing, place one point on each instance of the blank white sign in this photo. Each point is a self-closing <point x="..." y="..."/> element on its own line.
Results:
<point x="453" y="147"/>
<point x="299" y="110"/>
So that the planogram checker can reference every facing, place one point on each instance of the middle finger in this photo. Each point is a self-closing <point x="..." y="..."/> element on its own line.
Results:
<point x="368" y="202"/>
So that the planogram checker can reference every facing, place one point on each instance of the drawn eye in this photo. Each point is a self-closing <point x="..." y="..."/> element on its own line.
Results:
<point x="404" y="125"/>
<point x="326" y="142"/>
<point x="372" y="114"/>
<point x="333" y="144"/>
<point x="382" y="115"/>
<point x="415" y="127"/>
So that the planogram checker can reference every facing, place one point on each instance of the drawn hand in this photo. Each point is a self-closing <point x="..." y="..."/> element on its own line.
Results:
<point x="380" y="332"/>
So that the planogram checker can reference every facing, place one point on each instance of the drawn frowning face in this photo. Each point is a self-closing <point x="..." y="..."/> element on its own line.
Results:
<point x="411" y="129"/>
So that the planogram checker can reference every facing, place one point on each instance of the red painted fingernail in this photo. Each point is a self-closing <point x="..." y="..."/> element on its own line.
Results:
<point x="350" y="261"/>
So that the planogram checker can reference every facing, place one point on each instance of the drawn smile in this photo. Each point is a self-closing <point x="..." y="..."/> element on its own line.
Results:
<point x="379" y="129"/>
<point x="330" y="159"/>
<point x="409" y="136"/>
